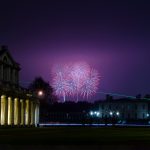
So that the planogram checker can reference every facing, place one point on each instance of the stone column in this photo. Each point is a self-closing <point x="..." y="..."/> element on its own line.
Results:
<point x="36" y="114"/>
<point x="0" y="109"/>
<point x="10" y="111"/>
<point x="27" y="112"/>
<point x="34" y="105"/>
<point x="22" y="121"/>
<point x="16" y="111"/>
<point x="3" y="110"/>
<point x="32" y="113"/>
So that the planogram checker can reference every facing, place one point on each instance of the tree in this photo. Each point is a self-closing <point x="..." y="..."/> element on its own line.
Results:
<point x="42" y="90"/>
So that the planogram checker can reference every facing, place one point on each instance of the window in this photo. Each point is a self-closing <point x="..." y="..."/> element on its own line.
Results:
<point x="16" y="76"/>
<point x="123" y="116"/>
<point x="135" y="115"/>
<point x="129" y="106"/>
<point x="102" y="115"/>
<point x="5" y="59"/>
<point x="1" y="71"/>
<point x="143" y="115"/>
<point x="11" y="75"/>
<point x="5" y="73"/>
<point x="5" y="69"/>
<point x="128" y="116"/>
<point x="117" y="107"/>
<point x="109" y="106"/>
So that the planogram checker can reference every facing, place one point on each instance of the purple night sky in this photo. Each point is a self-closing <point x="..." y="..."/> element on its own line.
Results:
<point x="113" y="37"/>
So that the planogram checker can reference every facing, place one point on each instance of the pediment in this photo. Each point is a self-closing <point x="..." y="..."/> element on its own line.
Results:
<point x="5" y="55"/>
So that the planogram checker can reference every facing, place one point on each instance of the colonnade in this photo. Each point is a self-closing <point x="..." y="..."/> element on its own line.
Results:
<point x="18" y="112"/>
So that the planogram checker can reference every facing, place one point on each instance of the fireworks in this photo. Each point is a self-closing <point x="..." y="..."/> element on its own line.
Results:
<point x="75" y="79"/>
<point x="90" y="85"/>
<point x="60" y="81"/>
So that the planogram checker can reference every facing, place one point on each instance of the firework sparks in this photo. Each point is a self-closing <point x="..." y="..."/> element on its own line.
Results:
<point x="75" y="79"/>
<point x="59" y="81"/>
<point x="80" y="70"/>
<point x="79" y="73"/>
<point x="90" y="85"/>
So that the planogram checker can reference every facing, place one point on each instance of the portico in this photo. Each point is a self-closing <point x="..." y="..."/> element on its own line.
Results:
<point x="18" y="107"/>
<point x="19" y="112"/>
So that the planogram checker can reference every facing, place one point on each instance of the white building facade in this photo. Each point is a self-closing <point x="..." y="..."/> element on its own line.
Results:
<point x="125" y="109"/>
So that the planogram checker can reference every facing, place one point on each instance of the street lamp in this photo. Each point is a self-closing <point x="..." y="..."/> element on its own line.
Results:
<point x="91" y="113"/>
<point x="97" y="114"/>
<point x="111" y="113"/>
<point x="117" y="113"/>
<point x="40" y="93"/>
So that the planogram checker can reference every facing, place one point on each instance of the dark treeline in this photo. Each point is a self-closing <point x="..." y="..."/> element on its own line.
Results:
<point x="70" y="112"/>
<point x="70" y="107"/>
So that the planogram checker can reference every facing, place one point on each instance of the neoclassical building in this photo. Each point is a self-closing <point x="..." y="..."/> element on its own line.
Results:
<point x="125" y="109"/>
<point x="18" y="107"/>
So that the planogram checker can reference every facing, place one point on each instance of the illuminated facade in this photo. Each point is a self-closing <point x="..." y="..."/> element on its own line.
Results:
<point x="17" y="106"/>
<point x="125" y="109"/>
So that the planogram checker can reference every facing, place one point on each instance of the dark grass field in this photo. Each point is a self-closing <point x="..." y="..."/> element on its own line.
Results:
<point x="76" y="136"/>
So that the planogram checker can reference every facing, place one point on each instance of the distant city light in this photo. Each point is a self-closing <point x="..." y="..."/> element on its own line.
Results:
<point x="147" y="115"/>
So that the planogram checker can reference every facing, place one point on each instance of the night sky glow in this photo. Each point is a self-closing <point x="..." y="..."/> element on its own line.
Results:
<point x="112" y="37"/>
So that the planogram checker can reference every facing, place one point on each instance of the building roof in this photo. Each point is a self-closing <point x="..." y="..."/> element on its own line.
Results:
<point x="3" y="50"/>
<point x="125" y="100"/>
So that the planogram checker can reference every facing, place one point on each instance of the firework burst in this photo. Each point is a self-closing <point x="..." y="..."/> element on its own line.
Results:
<point x="75" y="79"/>
<point x="90" y="85"/>
<point x="79" y="73"/>
<point x="60" y="80"/>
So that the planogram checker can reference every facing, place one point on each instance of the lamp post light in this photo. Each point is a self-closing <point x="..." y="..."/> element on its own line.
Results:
<point x="147" y="115"/>
<point x="95" y="113"/>
<point x="111" y="113"/>
<point x="91" y="113"/>
<point x="117" y="113"/>
<point x="40" y="94"/>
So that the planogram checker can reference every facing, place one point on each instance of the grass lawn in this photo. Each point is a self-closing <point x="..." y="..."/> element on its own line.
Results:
<point x="75" y="135"/>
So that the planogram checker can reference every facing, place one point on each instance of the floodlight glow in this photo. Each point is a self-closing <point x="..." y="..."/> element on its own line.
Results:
<point x="111" y="113"/>
<point x="117" y="113"/>
<point x="91" y="113"/>
<point x="98" y="114"/>
<point x="147" y="115"/>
